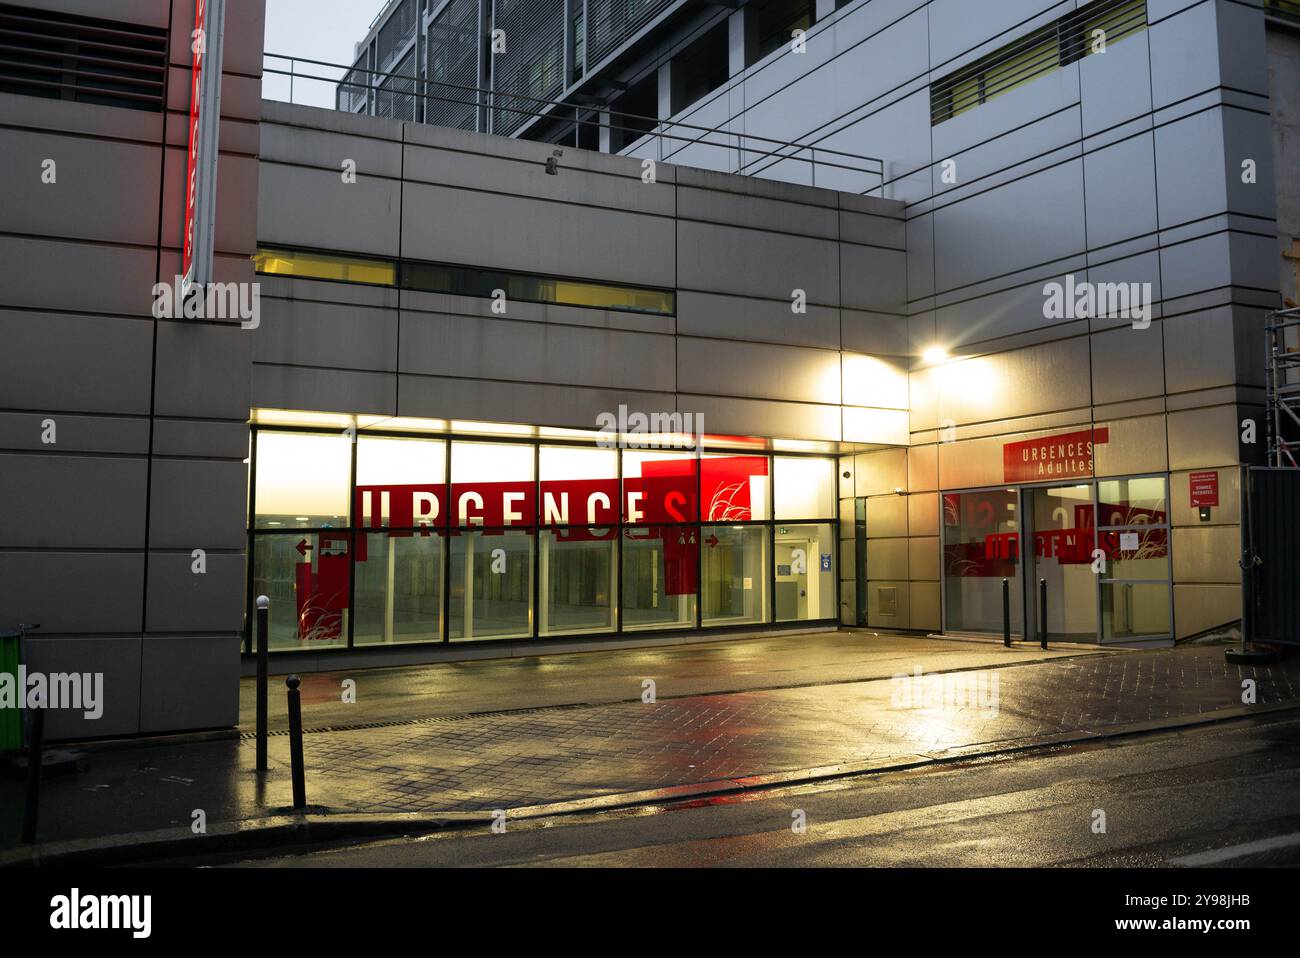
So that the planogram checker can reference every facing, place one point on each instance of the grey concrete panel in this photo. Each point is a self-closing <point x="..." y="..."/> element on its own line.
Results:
<point x="556" y="239"/>
<point x="103" y="364"/>
<point x="315" y="209"/>
<point x="886" y="517"/>
<point x="874" y="381"/>
<point x="583" y="177"/>
<point x="325" y="390"/>
<point x="82" y="501"/>
<point x="880" y="473"/>
<point x="877" y="333"/>
<point x="1116" y="87"/>
<point x="922" y="468"/>
<point x="1120" y="187"/>
<point x="984" y="156"/>
<point x="868" y="230"/>
<point x="181" y="600"/>
<point x="923" y="513"/>
<point x="311" y="333"/>
<point x="1204" y="438"/>
<point x="203" y="370"/>
<point x="1037" y="220"/>
<point x="957" y="26"/>
<point x="72" y="591"/>
<point x="536" y="404"/>
<point x="926" y="607"/>
<point x="887" y="558"/>
<point x="1201" y="607"/>
<point x="754" y="417"/>
<point x="873" y="278"/>
<point x="1128" y="363"/>
<point x="117" y="659"/>
<point x="1196" y="265"/>
<point x="1202" y="349"/>
<point x="757" y="212"/>
<point x="1024" y="382"/>
<point x="905" y="126"/>
<point x="189" y="437"/>
<point x="434" y="344"/>
<point x="198" y="504"/>
<point x="189" y="682"/>
<point x="1184" y="53"/>
<point x="758" y="370"/>
<point x="901" y="591"/>
<point x="722" y="259"/>
<point x="923" y="558"/>
<point x="104" y="190"/>
<point x="762" y="320"/>
<point x="73" y="433"/>
<point x="50" y="275"/>
<point x="1190" y="168"/>
<point x="1206" y="553"/>
<point x="1134" y="446"/>
<point x="305" y="146"/>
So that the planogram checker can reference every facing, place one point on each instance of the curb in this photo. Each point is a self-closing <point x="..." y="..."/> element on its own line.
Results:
<point x="284" y="831"/>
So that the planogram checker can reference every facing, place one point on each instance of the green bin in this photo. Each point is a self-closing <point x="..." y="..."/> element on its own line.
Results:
<point x="11" y="719"/>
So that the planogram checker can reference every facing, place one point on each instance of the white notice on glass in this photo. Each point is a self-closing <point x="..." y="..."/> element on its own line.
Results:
<point x="1128" y="542"/>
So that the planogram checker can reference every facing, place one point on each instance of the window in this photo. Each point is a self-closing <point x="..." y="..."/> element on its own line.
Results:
<point x="62" y="56"/>
<point x="464" y="281"/>
<point x="302" y="480"/>
<point x="805" y="488"/>
<point x="735" y="571"/>
<point x="1067" y="40"/>
<point x="579" y="43"/>
<point x="1133" y="532"/>
<point x="347" y="269"/>
<point x="392" y="538"/>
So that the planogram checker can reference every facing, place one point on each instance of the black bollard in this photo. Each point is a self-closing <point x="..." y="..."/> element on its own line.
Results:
<point x="263" y="660"/>
<point x="35" y="758"/>
<point x="1042" y="612"/>
<point x="1006" y="613"/>
<point x="295" y="743"/>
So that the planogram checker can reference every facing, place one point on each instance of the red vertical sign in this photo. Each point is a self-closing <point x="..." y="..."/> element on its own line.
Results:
<point x="198" y="42"/>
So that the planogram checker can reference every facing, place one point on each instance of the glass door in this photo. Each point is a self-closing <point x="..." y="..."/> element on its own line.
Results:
<point x="1061" y="524"/>
<point x="981" y="547"/>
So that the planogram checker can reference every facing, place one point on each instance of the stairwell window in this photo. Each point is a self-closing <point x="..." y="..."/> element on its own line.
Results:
<point x="1069" y="39"/>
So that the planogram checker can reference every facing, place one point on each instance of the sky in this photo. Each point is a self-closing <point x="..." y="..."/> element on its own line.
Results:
<point x="319" y="30"/>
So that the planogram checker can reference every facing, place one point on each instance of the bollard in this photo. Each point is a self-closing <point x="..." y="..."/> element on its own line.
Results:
<point x="1006" y="613"/>
<point x="35" y="758"/>
<point x="1042" y="612"/>
<point x="295" y="743"/>
<point x="263" y="660"/>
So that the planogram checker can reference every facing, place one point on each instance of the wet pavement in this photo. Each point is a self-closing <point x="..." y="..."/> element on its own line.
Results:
<point x="584" y="730"/>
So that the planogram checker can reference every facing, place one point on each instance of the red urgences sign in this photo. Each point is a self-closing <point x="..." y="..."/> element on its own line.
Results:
<point x="1067" y="456"/>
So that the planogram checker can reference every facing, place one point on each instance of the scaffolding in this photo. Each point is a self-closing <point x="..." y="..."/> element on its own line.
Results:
<point x="1282" y="370"/>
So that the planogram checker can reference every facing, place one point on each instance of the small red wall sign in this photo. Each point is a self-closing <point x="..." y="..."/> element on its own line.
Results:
<point x="1067" y="456"/>
<point x="1204" y="488"/>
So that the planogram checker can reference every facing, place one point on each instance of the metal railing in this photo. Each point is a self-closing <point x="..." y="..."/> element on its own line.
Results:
<point x="746" y="154"/>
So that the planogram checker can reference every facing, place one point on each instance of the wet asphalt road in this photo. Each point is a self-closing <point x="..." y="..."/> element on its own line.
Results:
<point x="1182" y="798"/>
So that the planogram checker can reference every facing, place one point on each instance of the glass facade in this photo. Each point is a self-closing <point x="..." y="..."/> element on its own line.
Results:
<point x="379" y="539"/>
<point x="1100" y="548"/>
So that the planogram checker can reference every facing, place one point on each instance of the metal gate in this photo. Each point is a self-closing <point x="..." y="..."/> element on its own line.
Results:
<point x="1271" y="556"/>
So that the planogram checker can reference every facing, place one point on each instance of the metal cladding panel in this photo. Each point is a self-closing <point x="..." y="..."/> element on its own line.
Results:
<point x="1274" y="517"/>
<point x="393" y="35"/>
<point x="614" y="21"/>
<point x="353" y="88"/>
<point x="396" y="96"/>
<point x="453" y="59"/>
<point x="532" y="64"/>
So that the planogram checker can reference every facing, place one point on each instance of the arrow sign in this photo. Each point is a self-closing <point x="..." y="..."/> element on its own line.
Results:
<point x="302" y="547"/>
<point x="712" y="541"/>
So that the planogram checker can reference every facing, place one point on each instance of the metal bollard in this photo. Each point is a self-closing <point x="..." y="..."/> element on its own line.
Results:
<point x="1042" y="612"/>
<point x="35" y="758"/>
<point x="263" y="660"/>
<point x="1006" y="613"/>
<point x="295" y="743"/>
